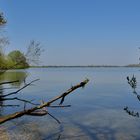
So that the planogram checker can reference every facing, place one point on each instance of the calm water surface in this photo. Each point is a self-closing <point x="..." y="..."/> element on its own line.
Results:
<point x="96" y="112"/>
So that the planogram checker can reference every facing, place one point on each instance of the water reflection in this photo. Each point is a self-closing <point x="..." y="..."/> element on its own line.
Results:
<point x="1" y="102"/>
<point x="9" y="76"/>
<point x="32" y="130"/>
<point x="132" y="81"/>
<point x="13" y="76"/>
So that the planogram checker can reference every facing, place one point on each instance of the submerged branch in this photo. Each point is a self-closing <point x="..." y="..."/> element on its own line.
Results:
<point x="3" y="83"/>
<point x="9" y="105"/>
<point x="15" y="92"/>
<point x="54" y="118"/>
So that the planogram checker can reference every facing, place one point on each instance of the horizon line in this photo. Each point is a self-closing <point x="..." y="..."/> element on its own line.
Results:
<point x="129" y="65"/>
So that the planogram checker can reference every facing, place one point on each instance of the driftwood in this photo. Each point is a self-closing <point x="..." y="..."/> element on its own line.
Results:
<point x="38" y="109"/>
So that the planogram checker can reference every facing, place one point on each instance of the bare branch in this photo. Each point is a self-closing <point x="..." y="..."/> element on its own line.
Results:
<point x="3" y="83"/>
<point x="82" y="84"/>
<point x="34" y="51"/>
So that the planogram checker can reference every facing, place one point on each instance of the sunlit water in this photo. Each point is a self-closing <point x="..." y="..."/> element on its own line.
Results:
<point x="96" y="112"/>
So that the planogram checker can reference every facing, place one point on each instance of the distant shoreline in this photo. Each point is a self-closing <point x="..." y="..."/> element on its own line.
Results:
<point x="90" y="66"/>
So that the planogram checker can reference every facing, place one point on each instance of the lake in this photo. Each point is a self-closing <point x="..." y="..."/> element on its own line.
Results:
<point x="96" y="112"/>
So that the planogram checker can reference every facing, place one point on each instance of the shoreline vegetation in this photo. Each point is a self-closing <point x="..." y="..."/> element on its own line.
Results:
<point x="14" y="60"/>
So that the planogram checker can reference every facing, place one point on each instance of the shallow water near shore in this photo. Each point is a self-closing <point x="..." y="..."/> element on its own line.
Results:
<point x="97" y="111"/>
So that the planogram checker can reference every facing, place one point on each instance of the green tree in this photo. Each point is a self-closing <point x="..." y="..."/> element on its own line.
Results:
<point x="18" y="59"/>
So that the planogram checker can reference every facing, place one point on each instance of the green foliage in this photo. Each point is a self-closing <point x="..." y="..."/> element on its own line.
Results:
<point x="19" y="76"/>
<point x="15" y="59"/>
<point x="2" y="62"/>
<point x="18" y="59"/>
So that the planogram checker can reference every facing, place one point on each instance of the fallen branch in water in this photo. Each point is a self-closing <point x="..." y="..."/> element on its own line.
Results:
<point x="45" y="104"/>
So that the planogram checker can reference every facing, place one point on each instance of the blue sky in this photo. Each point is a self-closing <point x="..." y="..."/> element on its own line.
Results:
<point x="76" y="32"/>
